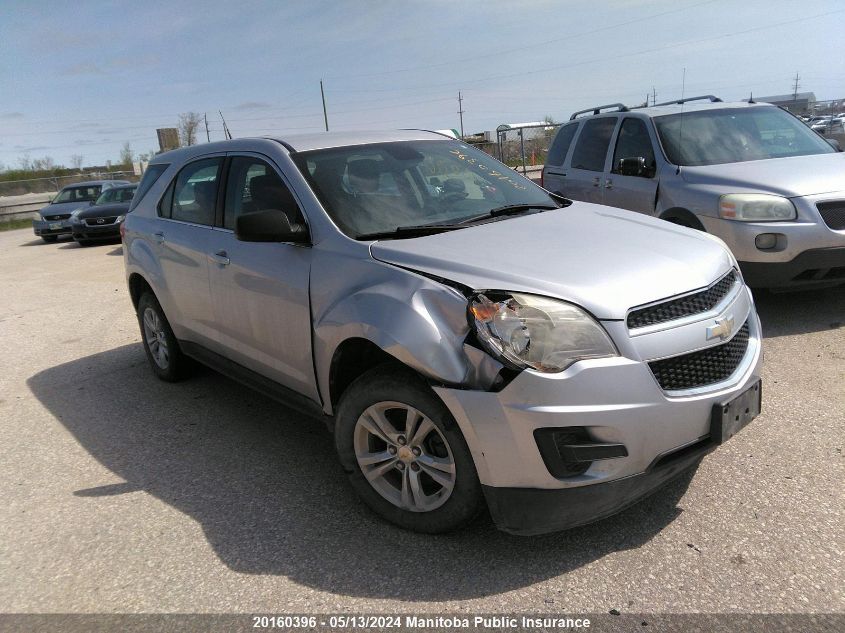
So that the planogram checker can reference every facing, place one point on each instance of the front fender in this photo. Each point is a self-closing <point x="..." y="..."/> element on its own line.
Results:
<point x="420" y="322"/>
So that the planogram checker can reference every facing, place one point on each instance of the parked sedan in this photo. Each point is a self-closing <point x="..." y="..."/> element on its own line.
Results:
<point x="102" y="220"/>
<point x="54" y="219"/>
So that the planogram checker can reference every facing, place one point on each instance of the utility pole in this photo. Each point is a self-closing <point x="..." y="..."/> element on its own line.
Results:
<point x="461" y="113"/>
<point x="226" y="131"/>
<point x="653" y="96"/>
<point x="207" y="135"/>
<point x="325" y="116"/>
<point x="795" y="87"/>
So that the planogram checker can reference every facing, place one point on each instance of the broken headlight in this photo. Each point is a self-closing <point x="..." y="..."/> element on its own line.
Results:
<point x="528" y="331"/>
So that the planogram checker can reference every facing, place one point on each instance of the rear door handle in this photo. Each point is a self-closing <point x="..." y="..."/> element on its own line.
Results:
<point x="596" y="181"/>
<point x="220" y="257"/>
<point x="159" y="235"/>
<point x="608" y="184"/>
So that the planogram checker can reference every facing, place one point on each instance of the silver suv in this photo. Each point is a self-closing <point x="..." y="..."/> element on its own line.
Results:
<point x="750" y="173"/>
<point x="471" y="340"/>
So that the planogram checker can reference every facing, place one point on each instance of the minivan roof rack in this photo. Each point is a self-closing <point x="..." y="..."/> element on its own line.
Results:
<point x="620" y="107"/>
<point x="711" y="98"/>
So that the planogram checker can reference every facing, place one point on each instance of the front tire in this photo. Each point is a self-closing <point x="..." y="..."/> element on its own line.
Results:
<point x="160" y="345"/>
<point x="405" y="455"/>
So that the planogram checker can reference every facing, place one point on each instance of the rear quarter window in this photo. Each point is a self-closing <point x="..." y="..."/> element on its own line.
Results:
<point x="560" y="146"/>
<point x="147" y="181"/>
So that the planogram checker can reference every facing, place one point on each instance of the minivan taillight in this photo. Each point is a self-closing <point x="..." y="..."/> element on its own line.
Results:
<point x="123" y="230"/>
<point x="542" y="180"/>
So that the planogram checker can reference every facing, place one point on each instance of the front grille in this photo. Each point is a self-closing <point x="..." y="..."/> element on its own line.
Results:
<point x="833" y="214"/>
<point x="61" y="216"/>
<point x="100" y="221"/>
<point x="683" y="306"/>
<point x="706" y="367"/>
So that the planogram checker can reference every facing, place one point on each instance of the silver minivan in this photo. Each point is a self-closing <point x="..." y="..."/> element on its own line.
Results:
<point x="471" y="340"/>
<point x="750" y="173"/>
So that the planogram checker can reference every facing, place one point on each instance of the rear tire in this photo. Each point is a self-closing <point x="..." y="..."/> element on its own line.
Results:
<point x="419" y="471"/>
<point x="83" y="242"/>
<point x="166" y="358"/>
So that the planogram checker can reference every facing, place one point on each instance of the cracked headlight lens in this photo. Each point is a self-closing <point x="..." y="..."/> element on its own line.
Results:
<point x="528" y="331"/>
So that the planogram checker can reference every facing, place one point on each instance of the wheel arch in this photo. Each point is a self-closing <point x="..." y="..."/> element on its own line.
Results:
<point x="683" y="217"/>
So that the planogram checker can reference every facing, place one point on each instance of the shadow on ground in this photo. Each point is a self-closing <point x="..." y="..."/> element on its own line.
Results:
<point x="787" y="313"/>
<point x="264" y="484"/>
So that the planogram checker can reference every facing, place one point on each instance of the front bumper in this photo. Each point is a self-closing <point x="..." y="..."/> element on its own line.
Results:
<point x="47" y="228"/>
<point x="808" y="252"/>
<point x="530" y="511"/>
<point x="103" y="232"/>
<point x="617" y="401"/>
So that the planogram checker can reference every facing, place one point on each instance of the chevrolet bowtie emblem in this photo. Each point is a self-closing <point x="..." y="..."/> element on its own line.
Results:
<point x="722" y="330"/>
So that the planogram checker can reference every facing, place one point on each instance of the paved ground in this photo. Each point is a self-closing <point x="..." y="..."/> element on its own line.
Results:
<point x="122" y="493"/>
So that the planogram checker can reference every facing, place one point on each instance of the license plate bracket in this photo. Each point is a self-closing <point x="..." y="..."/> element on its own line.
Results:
<point x="728" y="418"/>
<point x="55" y="226"/>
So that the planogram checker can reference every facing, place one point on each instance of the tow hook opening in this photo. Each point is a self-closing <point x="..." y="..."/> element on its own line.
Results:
<point x="570" y="451"/>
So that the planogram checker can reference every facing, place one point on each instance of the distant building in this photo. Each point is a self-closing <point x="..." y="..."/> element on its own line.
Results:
<point x="797" y="104"/>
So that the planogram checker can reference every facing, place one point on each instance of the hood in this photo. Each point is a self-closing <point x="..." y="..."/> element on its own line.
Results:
<point x="61" y="207"/>
<point x="790" y="177"/>
<point x="604" y="259"/>
<point x="105" y="210"/>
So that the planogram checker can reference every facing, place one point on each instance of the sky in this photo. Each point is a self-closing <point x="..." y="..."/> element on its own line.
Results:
<point x="84" y="77"/>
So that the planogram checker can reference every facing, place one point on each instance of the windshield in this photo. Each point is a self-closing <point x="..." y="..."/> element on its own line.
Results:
<point x="116" y="195"/>
<point x="77" y="194"/>
<point x="384" y="186"/>
<point x="713" y="137"/>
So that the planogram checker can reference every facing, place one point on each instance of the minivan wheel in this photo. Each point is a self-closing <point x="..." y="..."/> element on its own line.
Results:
<point x="160" y="345"/>
<point x="404" y="454"/>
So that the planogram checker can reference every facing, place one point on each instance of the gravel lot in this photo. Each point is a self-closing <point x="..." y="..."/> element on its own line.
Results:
<point x="124" y="494"/>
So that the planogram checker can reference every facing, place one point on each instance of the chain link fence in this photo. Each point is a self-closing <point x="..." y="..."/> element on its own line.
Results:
<point x="523" y="147"/>
<point x="53" y="184"/>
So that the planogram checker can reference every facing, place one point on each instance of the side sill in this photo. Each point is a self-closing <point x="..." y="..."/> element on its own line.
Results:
<point x="256" y="381"/>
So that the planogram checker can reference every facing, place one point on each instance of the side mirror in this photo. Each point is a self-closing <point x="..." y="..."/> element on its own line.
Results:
<point x="270" y="225"/>
<point x="834" y="144"/>
<point x="91" y="203"/>
<point x="634" y="166"/>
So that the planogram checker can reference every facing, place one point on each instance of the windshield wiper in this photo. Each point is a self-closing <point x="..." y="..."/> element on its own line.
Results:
<point x="508" y="209"/>
<point x="410" y="231"/>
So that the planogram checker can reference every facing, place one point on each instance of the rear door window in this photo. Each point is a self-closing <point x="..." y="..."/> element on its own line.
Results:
<point x="591" y="149"/>
<point x="560" y="146"/>
<point x="193" y="197"/>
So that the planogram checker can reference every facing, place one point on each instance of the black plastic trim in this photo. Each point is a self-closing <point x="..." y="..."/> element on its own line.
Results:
<point x="531" y="511"/>
<point x="253" y="380"/>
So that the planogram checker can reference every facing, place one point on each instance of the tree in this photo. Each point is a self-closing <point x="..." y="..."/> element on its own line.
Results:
<point x="76" y="161"/>
<point x="126" y="155"/>
<point x="25" y="162"/>
<point x="44" y="164"/>
<point x="188" y="124"/>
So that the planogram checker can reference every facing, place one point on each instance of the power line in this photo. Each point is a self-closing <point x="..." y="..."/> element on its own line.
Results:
<point x="533" y="46"/>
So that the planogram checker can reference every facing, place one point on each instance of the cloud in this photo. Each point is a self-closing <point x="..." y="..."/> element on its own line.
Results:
<point x="82" y="68"/>
<point x="252" y="105"/>
<point x="12" y="115"/>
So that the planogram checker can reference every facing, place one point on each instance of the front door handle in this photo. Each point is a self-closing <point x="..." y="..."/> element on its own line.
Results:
<point x="159" y="235"/>
<point x="608" y="184"/>
<point x="220" y="257"/>
<point x="596" y="181"/>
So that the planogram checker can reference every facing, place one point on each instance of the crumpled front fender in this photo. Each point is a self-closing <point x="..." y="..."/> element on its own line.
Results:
<point x="419" y="321"/>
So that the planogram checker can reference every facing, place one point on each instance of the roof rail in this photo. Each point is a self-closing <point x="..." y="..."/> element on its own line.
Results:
<point x="711" y="98"/>
<point x="620" y="107"/>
